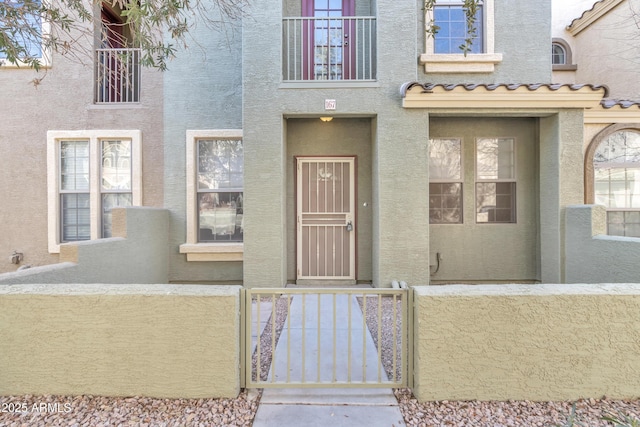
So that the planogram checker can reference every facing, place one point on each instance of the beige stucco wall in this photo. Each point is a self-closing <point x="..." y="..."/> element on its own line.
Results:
<point x="120" y="340"/>
<point x="533" y="342"/>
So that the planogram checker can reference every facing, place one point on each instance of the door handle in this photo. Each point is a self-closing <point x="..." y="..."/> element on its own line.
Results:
<point x="349" y="226"/>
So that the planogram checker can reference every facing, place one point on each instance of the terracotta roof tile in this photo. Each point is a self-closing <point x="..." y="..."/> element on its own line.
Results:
<point x="493" y="86"/>
<point x="623" y="103"/>
<point x="585" y="12"/>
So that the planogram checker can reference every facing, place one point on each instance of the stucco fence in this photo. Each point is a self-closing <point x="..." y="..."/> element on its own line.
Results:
<point x="489" y="342"/>
<point x="120" y="340"/>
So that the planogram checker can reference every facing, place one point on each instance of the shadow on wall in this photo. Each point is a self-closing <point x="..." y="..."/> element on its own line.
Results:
<point x="138" y="254"/>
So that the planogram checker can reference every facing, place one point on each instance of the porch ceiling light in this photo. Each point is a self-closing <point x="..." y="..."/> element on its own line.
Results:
<point x="326" y="119"/>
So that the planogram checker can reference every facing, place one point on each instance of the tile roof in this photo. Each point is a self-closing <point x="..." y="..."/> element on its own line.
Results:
<point x="493" y="86"/>
<point x="622" y="103"/>
<point x="586" y="12"/>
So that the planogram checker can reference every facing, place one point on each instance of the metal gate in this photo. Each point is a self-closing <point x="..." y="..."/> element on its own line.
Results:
<point x="326" y="338"/>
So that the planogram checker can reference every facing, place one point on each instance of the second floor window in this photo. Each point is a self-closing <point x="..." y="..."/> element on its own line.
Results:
<point x="558" y="56"/>
<point x="450" y="18"/>
<point x="27" y="29"/>
<point x="117" y="62"/>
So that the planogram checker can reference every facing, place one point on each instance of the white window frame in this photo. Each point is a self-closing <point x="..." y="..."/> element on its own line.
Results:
<point x="458" y="62"/>
<point x="209" y="251"/>
<point x="95" y="137"/>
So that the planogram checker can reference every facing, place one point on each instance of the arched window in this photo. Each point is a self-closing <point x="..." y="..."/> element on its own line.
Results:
<point x="614" y="177"/>
<point x="558" y="54"/>
<point x="561" y="58"/>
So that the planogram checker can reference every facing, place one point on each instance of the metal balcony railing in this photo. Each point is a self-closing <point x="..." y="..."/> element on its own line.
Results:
<point x="117" y="76"/>
<point x="329" y="48"/>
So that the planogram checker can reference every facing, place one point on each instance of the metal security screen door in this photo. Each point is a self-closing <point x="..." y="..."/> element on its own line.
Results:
<point x="326" y="227"/>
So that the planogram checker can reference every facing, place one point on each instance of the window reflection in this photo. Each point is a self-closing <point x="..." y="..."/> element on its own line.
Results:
<point x="616" y="164"/>
<point x="220" y="185"/>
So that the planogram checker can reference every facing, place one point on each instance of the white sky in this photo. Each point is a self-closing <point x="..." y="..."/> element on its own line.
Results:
<point x="565" y="11"/>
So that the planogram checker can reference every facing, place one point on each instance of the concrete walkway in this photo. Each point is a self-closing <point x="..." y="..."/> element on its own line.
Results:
<point x="335" y="407"/>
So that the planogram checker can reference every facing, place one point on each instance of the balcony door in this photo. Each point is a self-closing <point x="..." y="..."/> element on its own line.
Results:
<point x="117" y="64"/>
<point x="329" y="39"/>
<point x="326" y="229"/>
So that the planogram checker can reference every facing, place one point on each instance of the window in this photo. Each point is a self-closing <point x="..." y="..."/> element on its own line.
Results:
<point x="90" y="173"/>
<point x="115" y="179"/>
<point x="118" y="70"/>
<point x="558" y="55"/>
<point x="495" y="180"/>
<point x="616" y="167"/>
<point x="215" y="207"/>
<point x="220" y="178"/>
<point x="30" y="30"/>
<point x="561" y="59"/>
<point x="450" y="17"/>
<point x="445" y="181"/>
<point x="442" y="53"/>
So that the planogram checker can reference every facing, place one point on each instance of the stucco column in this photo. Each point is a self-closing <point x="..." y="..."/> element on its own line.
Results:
<point x="264" y="148"/>
<point x="561" y="184"/>
<point x="265" y="204"/>
<point x="401" y="194"/>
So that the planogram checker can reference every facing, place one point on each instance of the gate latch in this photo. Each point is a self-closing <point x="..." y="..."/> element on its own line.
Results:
<point x="349" y="226"/>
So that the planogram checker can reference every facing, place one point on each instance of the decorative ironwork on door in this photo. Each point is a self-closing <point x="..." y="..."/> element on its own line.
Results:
<point x="326" y="218"/>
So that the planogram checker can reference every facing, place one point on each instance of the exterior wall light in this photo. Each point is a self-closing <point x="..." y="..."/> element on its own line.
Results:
<point x="326" y="119"/>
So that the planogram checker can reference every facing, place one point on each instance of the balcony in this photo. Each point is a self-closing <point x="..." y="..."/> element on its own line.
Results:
<point x="335" y="49"/>
<point x="117" y="76"/>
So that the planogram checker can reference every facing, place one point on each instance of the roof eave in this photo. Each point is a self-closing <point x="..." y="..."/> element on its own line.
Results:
<point x="466" y="97"/>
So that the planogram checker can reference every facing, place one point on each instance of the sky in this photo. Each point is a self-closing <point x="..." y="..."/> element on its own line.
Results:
<point x="565" y="11"/>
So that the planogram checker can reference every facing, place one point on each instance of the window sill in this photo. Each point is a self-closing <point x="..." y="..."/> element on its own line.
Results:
<point x="45" y="63"/>
<point x="458" y="63"/>
<point x="564" y="67"/>
<point x="213" y="251"/>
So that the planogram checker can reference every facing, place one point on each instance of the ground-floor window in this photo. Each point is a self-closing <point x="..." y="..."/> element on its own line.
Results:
<point x="219" y="190"/>
<point x="90" y="173"/>
<point x="445" y="181"/>
<point x="616" y="181"/>
<point x="495" y="180"/>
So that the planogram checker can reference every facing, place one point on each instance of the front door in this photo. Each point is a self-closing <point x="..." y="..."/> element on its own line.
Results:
<point x="325" y="216"/>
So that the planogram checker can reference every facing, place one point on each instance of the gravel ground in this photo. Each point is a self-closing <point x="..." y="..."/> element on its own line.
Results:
<point x="135" y="411"/>
<point x="139" y="411"/>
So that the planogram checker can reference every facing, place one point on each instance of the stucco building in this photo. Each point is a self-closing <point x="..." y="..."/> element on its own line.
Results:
<point x="316" y="142"/>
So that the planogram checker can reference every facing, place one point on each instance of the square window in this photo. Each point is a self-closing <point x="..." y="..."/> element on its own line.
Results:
<point x="495" y="202"/>
<point x="445" y="203"/>
<point x="450" y="18"/>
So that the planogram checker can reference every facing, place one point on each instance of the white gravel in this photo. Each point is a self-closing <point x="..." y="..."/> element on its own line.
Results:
<point x="141" y="411"/>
